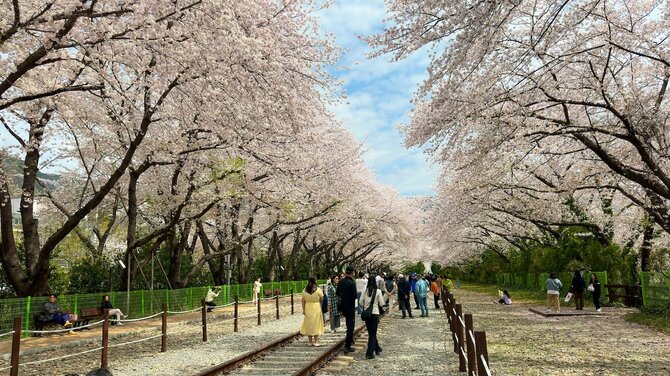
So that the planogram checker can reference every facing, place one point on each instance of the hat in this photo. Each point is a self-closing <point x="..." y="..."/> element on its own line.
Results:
<point x="400" y="276"/>
<point x="349" y="269"/>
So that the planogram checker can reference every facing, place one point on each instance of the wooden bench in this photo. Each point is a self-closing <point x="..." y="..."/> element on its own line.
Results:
<point x="632" y="294"/>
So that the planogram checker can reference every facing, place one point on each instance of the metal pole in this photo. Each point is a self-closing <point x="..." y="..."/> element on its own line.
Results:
<point x="164" y="329"/>
<point x="292" y="308"/>
<point x="128" y="284"/>
<point x="277" y="305"/>
<point x="204" y="321"/>
<point x="105" y="340"/>
<point x="259" y="309"/>
<point x="152" y="282"/>
<point x="16" y="347"/>
<point x="235" y="321"/>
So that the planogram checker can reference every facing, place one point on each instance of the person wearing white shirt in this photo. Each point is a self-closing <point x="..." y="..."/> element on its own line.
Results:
<point x="257" y="289"/>
<point x="209" y="298"/>
<point x="361" y="283"/>
<point x="372" y="297"/>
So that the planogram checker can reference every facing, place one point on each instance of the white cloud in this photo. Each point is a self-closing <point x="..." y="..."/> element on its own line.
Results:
<point x="378" y="95"/>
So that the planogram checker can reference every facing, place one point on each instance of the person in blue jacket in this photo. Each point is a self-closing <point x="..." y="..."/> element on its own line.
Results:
<point x="412" y="285"/>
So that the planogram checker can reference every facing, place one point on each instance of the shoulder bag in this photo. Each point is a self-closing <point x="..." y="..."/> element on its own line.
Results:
<point x="367" y="313"/>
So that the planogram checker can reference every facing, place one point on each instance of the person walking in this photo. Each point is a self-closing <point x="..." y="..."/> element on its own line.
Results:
<point x="372" y="297"/>
<point x="553" y="292"/>
<point x="391" y="291"/>
<point x="577" y="289"/>
<point x="209" y="298"/>
<point x="333" y="303"/>
<point x="422" y="294"/>
<point x="435" y="288"/>
<point x="404" y="291"/>
<point x="346" y="294"/>
<point x="312" y="324"/>
<point x="412" y="284"/>
<point x="594" y="287"/>
<point x="257" y="290"/>
<point x="361" y="284"/>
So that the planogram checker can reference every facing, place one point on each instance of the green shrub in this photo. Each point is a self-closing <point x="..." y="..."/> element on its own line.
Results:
<point x="658" y="309"/>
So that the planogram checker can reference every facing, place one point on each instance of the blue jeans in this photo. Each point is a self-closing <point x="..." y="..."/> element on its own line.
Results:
<point x="359" y="309"/>
<point x="423" y="305"/>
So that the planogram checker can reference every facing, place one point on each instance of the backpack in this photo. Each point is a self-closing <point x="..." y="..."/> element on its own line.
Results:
<point x="389" y="286"/>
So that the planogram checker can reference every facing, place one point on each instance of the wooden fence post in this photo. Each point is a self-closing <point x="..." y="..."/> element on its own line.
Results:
<point x="235" y="321"/>
<point x="452" y="322"/>
<point x="292" y="309"/>
<point x="164" y="329"/>
<point x="277" y="305"/>
<point x="470" y="341"/>
<point x="104" y="358"/>
<point x="259" y="310"/>
<point x="459" y="334"/>
<point x="16" y="346"/>
<point x="204" y="321"/>
<point x="480" y="343"/>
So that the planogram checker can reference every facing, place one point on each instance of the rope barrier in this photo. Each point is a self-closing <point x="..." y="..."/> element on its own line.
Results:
<point x="182" y="312"/>
<point x="135" y="341"/>
<point x="472" y="337"/>
<point x="6" y="334"/>
<point x="486" y="366"/>
<point x="64" y="330"/>
<point x="142" y="318"/>
<point x="59" y="358"/>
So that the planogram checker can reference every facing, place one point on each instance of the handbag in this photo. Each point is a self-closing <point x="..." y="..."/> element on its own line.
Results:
<point x="591" y="288"/>
<point x="568" y="297"/>
<point x="367" y="313"/>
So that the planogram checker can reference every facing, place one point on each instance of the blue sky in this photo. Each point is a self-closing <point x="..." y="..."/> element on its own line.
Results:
<point x="379" y="94"/>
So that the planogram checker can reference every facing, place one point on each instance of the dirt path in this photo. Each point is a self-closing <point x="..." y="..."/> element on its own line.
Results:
<point x="523" y="343"/>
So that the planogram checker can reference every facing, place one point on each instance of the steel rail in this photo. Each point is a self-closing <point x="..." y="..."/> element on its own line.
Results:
<point x="326" y="356"/>
<point x="253" y="355"/>
<point x="248" y="357"/>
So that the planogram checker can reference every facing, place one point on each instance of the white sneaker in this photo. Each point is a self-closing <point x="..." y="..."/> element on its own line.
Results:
<point x="599" y="310"/>
<point x="119" y="324"/>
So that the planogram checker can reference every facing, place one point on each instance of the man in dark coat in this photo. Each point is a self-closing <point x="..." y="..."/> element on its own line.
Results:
<point x="346" y="292"/>
<point x="404" y="291"/>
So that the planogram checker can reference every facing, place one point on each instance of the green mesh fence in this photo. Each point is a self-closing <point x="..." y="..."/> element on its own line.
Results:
<point x="655" y="287"/>
<point x="537" y="281"/>
<point x="139" y="303"/>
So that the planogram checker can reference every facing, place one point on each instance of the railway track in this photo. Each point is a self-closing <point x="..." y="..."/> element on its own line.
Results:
<point x="290" y="355"/>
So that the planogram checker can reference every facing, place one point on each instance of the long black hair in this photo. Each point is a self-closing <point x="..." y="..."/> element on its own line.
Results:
<point x="372" y="285"/>
<point x="311" y="285"/>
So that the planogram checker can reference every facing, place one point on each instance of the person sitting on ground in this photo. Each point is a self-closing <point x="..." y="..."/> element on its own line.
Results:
<point x="106" y="304"/>
<point x="52" y="313"/>
<point x="505" y="298"/>
<point x="209" y="298"/>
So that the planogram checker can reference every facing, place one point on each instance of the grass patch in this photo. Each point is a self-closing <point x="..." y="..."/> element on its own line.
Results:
<point x="518" y="296"/>
<point x="658" y="322"/>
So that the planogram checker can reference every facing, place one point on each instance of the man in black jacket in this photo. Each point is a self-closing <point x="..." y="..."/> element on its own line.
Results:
<point x="404" y="291"/>
<point x="346" y="292"/>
